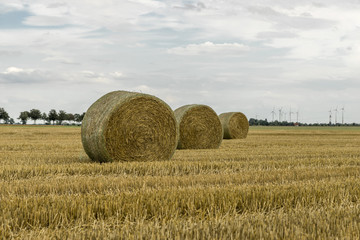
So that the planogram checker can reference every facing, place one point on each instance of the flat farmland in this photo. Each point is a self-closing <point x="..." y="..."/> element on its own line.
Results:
<point x="279" y="183"/>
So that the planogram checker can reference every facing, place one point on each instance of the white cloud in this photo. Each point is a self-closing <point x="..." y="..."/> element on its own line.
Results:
<point x="10" y="5"/>
<point x="210" y="48"/>
<point x="60" y="59"/>
<point x="15" y="70"/>
<point x="326" y="41"/>
<point x="117" y="74"/>
<point x="114" y="15"/>
<point x="42" y="21"/>
<point x="20" y="76"/>
<point x="144" y="89"/>
<point x="93" y="77"/>
<point x="16" y="75"/>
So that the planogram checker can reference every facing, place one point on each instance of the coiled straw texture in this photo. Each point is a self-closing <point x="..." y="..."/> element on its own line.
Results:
<point x="128" y="126"/>
<point x="235" y="125"/>
<point x="199" y="127"/>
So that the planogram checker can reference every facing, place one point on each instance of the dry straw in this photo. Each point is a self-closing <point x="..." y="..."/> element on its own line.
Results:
<point x="235" y="125"/>
<point x="128" y="126"/>
<point x="199" y="127"/>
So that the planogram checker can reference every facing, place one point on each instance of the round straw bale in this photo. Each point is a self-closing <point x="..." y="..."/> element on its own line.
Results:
<point x="235" y="125"/>
<point x="128" y="126"/>
<point x="199" y="127"/>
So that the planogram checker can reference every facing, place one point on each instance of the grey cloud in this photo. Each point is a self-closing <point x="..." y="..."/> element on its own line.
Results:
<point x="264" y="11"/>
<point x="153" y="15"/>
<point x="329" y="85"/>
<point x="306" y="14"/>
<point x="27" y="77"/>
<point x="30" y="76"/>
<point x="276" y="35"/>
<point x="197" y="7"/>
<point x="9" y="53"/>
<point x="318" y="4"/>
<point x="47" y="21"/>
<point x="4" y="8"/>
<point x="305" y="21"/>
<point x="98" y="33"/>
<point x="61" y="60"/>
<point x="56" y="5"/>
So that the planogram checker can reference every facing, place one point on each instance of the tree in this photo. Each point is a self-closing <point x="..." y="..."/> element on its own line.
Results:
<point x="35" y="114"/>
<point x="61" y="116"/>
<point x="70" y="117"/>
<point x="24" y="116"/>
<point x="253" y="122"/>
<point x="77" y="118"/>
<point x="82" y="116"/>
<point x="11" y="121"/>
<point x="4" y="115"/>
<point x="45" y="117"/>
<point x="53" y="116"/>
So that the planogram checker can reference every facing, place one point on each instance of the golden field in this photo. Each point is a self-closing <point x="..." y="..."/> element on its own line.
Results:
<point x="279" y="183"/>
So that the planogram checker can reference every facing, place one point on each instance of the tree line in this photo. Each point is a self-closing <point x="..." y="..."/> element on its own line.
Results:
<point x="53" y="117"/>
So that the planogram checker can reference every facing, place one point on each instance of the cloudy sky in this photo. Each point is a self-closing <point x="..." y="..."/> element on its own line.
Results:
<point x="233" y="55"/>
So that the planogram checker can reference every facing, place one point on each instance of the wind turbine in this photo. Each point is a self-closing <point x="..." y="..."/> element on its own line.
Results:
<point x="342" y="115"/>
<point x="297" y="116"/>
<point x="290" y="113"/>
<point x="336" y="110"/>
<point x="280" y="109"/>
<point x="330" y="116"/>
<point x="273" y="113"/>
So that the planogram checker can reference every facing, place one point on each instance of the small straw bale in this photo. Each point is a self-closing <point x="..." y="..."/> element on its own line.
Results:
<point x="199" y="127"/>
<point x="128" y="126"/>
<point x="235" y="125"/>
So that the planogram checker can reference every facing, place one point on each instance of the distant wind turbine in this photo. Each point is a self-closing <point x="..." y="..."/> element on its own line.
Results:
<point x="273" y="114"/>
<point x="290" y="113"/>
<point x="280" y="109"/>
<point x="336" y="110"/>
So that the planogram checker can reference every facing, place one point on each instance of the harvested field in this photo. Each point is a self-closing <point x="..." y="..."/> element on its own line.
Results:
<point x="278" y="183"/>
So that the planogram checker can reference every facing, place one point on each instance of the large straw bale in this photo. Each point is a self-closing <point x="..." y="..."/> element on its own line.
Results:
<point x="235" y="125"/>
<point x="128" y="126"/>
<point x="199" y="127"/>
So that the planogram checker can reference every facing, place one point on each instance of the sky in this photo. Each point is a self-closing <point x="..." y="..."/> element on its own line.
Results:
<point x="250" y="56"/>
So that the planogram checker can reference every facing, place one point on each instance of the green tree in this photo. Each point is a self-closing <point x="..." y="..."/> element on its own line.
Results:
<point x="62" y="116"/>
<point x="70" y="117"/>
<point x="53" y="116"/>
<point x="11" y="121"/>
<point x="35" y="114"/>
<point x="82" y="116"/>
<point x="45" y="117"/>
<point x="4" y="115"/>
<point x="77" y="118"/>
<point x="24" y="116"/>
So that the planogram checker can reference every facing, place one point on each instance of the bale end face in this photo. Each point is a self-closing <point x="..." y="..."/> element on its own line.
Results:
<point x="126" y="126"/>
<point x="235" y="125"/>
<point x="199" y="127"/>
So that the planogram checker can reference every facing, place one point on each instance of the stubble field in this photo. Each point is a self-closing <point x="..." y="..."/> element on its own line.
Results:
<point x="279" y="183"/>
